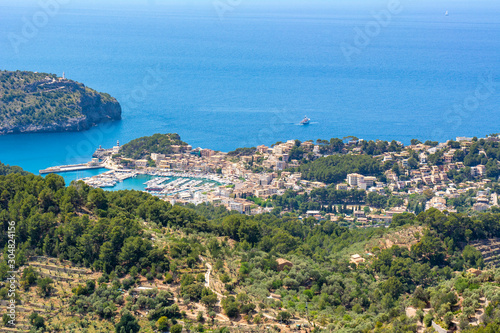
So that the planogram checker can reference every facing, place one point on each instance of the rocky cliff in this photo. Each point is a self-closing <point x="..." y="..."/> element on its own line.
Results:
<point x="38" y="102"/>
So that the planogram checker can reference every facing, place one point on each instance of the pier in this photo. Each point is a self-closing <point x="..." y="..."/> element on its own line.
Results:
<point x="74" y="167"/>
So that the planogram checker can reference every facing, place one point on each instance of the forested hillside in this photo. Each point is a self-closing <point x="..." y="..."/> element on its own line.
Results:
<point x="130" y="238"/>
<point x="334" y="169"/>
<point x="145" y="146"/>
<point x="40" y="102"/>
<point x="7" y="169"/>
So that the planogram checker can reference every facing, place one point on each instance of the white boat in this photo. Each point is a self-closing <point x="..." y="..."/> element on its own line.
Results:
<point x="305" y="121"/>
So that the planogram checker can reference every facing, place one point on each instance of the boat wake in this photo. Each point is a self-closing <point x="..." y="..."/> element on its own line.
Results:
<point x="310" y="123"/>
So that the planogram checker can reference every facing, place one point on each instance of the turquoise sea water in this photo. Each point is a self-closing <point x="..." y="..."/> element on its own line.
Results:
<point x="76" y="175"/>
<point x="248" y="75"/>
<point x="136" y="183"/>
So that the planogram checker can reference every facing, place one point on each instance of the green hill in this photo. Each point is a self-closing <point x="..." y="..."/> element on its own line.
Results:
<point x="160" y="267"/>
<point x="39" y="102"/>
<point x="157" y="143"/>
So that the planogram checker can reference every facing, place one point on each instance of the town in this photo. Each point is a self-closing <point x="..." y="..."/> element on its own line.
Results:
<point x="244" y="179"/>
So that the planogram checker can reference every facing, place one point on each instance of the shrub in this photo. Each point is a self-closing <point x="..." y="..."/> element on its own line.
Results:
<point x="177" y="328"/>
<point x="428" y="320"/>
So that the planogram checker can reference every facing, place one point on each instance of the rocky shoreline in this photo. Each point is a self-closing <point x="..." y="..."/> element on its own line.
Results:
<point x="90" y="109"/>
<point x="90" y="119"/>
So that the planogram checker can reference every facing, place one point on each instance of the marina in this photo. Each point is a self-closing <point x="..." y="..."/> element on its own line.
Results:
<point x="185" y="184"/>
<point x="176" y="184"/>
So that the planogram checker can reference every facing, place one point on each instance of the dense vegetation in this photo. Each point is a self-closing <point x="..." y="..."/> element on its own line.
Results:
<point x="331" y="200"/>
<point x="31" y="100"/>
<point x="243" y="152"/>
<point x="45" y="212"/>
<point x="330" y="147"/>
<point x="379" y="147"/>
<point x="145" y="146"/>
<point x="105" y="231"/>
<point x="334" y="169"/>
<point x="336" y="145"/>
<point x="7" y="169"/>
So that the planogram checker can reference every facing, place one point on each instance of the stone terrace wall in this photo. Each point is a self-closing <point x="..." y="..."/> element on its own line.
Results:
<point x="438" y="328"/>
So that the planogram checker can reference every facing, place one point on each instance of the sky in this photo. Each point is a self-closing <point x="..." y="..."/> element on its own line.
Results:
<point x="212" y="7"/>
<point x="236" y="3"/>
<point x="243" y="7"/>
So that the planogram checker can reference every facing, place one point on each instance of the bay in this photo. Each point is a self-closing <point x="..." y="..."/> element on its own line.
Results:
<point x="248" y="76"/>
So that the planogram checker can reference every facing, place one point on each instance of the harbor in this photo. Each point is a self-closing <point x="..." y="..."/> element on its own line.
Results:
<point x="180" y="184"/>
<point x="108" y="179"/>
<point x="158" y="183"/>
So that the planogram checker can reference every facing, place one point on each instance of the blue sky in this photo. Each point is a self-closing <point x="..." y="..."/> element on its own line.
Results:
<point x="308" y="3"/>
<point x="490" y="8"/>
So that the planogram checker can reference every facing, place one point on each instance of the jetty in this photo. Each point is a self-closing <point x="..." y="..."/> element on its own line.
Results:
<point x="73" y="167"/>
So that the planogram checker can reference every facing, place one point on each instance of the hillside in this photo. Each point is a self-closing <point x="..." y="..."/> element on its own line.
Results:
<point x="158" y="144"/>
<point x="161" y="267"/>
<point x="39" y="102"/>
<point x="7" y="169"/>
<point x="333" y="169"/>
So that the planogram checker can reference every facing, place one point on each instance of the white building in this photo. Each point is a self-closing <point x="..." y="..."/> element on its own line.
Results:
<point x="353" y="179"/>
<point x="141" y="163"/>
<point x="116" y="149"/>
<point x="157" y="157"/>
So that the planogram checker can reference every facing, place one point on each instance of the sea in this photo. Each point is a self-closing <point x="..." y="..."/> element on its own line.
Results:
<point x="239" y="73"/>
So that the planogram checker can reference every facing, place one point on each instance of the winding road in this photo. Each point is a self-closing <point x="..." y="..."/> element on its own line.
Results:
<point x="207" y="280"/>
<point x="220" y="296"/>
